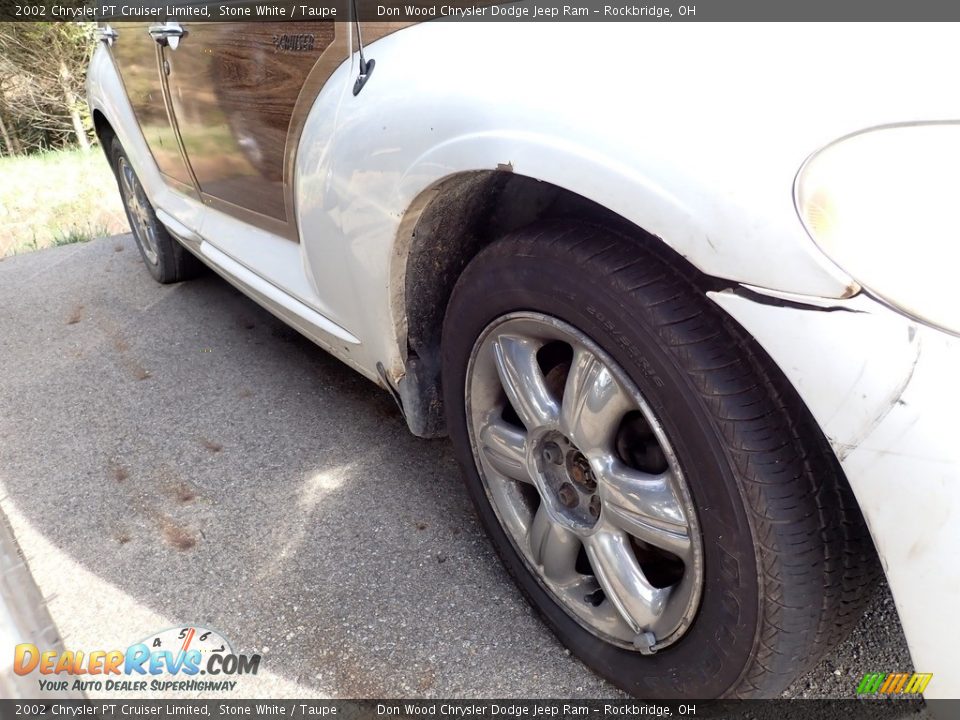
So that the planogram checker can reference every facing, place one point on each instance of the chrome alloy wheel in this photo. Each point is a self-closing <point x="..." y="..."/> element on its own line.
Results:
<point x="584" y="480"/>
<point x="138" y="211"/>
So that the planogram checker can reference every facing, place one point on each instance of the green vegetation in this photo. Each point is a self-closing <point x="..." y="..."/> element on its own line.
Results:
<point x="57" y="198"/>
<point x="42" y="67"/>
<point x="50" y="194"/>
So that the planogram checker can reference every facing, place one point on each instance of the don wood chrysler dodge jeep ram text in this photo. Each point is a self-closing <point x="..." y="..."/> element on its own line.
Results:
<point x="681" y="296"/>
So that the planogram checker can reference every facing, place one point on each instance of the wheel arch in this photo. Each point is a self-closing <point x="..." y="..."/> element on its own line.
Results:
<point x="444" y="228"/>
<point x="102" y="126"/>
<point x="452" y="220"/>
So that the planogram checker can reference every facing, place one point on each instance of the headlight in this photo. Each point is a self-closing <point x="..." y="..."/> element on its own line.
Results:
<point x="884" y="205"/>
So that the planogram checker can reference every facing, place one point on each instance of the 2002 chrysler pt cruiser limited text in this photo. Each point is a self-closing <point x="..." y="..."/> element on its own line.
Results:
<point x="682" y="298"/>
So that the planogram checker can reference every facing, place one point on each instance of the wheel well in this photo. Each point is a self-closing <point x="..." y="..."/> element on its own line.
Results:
<point x="444" y="229"/>
<point x="103" y="129"/>
<point x="450" y="223"/>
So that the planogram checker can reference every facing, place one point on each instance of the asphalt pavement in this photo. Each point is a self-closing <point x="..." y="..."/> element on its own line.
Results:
<point x="174" y="454"/>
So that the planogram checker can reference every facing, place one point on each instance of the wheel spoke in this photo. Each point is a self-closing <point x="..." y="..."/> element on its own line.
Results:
<point x="511" y="509"/>
<point x="644" y="506"/>
<point x="593" y="403"/>
<point x="622" y="580"/>
<point x="554" y="548"/>
<point x="523" y="381"/>
<point x="504" y="448"/>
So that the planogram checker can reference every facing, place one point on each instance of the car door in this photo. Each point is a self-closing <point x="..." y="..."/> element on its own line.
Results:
<point x="239" y="94"/>
<point x="137" y="57"/>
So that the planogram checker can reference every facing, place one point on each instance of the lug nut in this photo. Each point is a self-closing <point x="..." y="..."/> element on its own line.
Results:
<point x="595" y="507"/>
<point x="582" y="474"/>
<point x="552" y="453"/>
<point x="568" y="495"/>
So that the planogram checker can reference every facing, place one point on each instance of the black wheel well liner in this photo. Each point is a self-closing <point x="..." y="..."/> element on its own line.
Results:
<point x="454" y="220"/>
<point x="104" y="131"/>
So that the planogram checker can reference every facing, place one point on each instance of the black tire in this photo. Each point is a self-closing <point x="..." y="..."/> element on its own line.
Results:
<point x="787" y="557"/>
<point x="168" y="261"/>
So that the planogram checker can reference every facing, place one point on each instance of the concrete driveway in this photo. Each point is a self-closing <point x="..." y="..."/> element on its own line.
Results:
<point x="174" y="454"/>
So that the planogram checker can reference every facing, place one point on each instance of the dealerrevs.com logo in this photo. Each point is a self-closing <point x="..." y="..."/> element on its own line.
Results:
<point x="171" y="660"/>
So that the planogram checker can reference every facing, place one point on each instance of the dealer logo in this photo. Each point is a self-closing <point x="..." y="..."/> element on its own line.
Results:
<point x="169" y="660"/>
<point x="894" y="683"/>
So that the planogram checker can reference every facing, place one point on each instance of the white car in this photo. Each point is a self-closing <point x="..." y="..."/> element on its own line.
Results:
<point x="681" y="295"/>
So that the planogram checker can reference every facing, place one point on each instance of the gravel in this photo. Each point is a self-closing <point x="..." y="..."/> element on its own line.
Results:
<point x="174" y="454"/>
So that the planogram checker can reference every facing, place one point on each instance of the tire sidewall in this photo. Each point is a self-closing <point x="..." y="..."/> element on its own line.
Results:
<point x="157" y="269"/>
<point x="709" y="659"/>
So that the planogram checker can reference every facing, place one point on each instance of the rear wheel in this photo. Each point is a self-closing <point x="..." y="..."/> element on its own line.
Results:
<point x="649" y="479"/>
<point x="165" y="258"/>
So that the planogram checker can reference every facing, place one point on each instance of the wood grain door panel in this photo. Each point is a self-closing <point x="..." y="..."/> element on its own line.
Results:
<point x="137" y="57"/>
<point x="235" y="90"/>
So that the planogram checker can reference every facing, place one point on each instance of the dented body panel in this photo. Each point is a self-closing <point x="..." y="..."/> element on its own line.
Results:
<point x="883" y="389"/>
<point x="906" y="476"/>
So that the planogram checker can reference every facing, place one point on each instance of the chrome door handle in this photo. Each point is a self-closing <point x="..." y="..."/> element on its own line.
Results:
<point x="107" y="34"/>
<point x="168" y="34"/>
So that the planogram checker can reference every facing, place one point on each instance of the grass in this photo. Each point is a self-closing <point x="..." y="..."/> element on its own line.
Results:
<point x="57" y="198"/>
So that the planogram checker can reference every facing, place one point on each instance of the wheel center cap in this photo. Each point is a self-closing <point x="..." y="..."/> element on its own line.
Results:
<point x="569" y="484"/>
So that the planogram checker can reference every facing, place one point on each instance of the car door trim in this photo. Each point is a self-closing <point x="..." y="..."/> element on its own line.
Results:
<point x="269" y="295"/>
